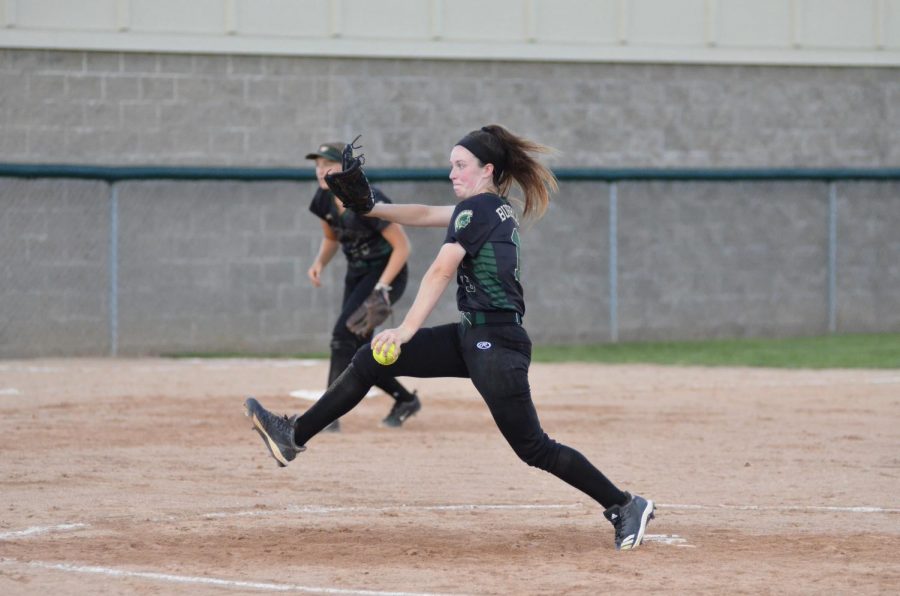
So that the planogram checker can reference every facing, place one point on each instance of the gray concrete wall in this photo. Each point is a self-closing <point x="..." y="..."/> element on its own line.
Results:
<point x="221" y="266"/>
<point x="53" y="267"/>
<point x="724" y="259"/>
<point x="869" y="258"/>
<point x="120" y="108"/>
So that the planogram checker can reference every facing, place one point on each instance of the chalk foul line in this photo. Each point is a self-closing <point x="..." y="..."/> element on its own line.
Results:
<point x="326" y="510"/>
<point x="38" y="530"/>
<point x="822" y="508"/>
<point x="317" y="509"/>
<point x="209" y="581"/>
<point x="315" y="394"/>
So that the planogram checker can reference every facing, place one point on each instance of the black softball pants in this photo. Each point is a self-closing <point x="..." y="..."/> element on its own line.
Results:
<point x="358" y="284"/>
<point x="496" y="358"/>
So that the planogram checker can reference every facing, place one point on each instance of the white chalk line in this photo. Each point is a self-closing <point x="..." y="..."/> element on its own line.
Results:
<point x="209" y="581"/>
<point x="316" y="509"/>
<point x="9" y="391"/>
<point x="821" y="508"/>
<point x="38" y="530"/>
<point x="329" y="510"/>
<point x="326" y="510"/>
<point x="315" y="394"/>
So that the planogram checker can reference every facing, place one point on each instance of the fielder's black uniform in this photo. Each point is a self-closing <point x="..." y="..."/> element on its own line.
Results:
<point x="488" y="345"/>
<point x="367" y="255"/>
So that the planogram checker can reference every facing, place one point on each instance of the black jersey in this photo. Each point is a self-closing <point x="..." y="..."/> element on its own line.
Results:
<point x="360" y="236"/>
<point x="488" y="276"/>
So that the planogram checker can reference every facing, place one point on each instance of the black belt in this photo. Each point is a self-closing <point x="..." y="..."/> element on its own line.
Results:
<point x="473" y="319"/>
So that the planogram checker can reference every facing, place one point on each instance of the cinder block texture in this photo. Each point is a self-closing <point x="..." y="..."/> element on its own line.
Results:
<point x="704" y="259"/>
<point x="110" y="108"/>
<point x="53" y="268"/>
<point x="868" y="257"/>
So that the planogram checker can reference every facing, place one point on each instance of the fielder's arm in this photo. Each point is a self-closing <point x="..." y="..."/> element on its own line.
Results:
<point x="327" y="250"/>
<point x="399" y="242"/>
<point x="423" y="216"/>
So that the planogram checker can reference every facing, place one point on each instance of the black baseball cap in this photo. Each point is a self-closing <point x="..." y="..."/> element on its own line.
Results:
<point x="330" y="151"/>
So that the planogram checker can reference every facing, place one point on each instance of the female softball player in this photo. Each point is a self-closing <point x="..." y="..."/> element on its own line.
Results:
<point x="489" y="345"/>
<point x="376" y="252"/>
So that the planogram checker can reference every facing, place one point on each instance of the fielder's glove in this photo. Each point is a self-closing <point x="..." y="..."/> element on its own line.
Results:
<point x="351" y="185"/>
<point x="371" y="313"/>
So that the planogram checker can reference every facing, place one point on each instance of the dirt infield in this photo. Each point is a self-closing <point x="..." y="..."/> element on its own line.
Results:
<point x="143" y="476"/>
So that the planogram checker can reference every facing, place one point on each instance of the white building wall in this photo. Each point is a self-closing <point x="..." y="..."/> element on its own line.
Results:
<point x="827" y="32"/>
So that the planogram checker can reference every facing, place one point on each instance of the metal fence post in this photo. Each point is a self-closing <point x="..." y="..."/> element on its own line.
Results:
<point x="113" y="267"/>
<point x="613" y="262"/>
<point x="832" y="257"/>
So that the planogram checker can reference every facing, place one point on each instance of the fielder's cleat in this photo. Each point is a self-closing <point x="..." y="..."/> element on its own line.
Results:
<point x="401" y="411"/>
<point x="277" y="432"/>
<point x="630" y="520"/>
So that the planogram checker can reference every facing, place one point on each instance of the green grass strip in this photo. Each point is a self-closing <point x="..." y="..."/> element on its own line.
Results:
<point x="832" y="351"/>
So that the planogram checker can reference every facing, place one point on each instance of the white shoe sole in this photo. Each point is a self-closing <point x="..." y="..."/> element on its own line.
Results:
<point x="645" y="519"/>
<point x="270" y="444"/>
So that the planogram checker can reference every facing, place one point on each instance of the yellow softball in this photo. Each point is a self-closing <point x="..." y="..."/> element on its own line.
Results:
<point x="385" y="357"/>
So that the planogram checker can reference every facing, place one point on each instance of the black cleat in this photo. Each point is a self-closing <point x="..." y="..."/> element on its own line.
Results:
<point x="277" y="432"/>
<point x="630" y="520"/>
<point x="401" y="411"/>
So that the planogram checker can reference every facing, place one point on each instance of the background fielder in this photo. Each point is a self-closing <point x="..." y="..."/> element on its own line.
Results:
<point x="376" y="252"/>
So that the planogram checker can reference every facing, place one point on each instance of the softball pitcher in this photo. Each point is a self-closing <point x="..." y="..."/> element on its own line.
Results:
<point x="489" y="345"/>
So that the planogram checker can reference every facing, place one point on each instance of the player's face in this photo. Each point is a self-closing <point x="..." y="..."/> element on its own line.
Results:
<point x="468" y="176"/>
<point x="323" y="167"/>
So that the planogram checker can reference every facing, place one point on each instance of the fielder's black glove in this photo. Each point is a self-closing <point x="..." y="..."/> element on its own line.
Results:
<point x="351" y="185"/>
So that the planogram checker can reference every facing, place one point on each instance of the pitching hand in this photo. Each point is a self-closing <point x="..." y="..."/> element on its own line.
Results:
<point x="397" y="336"/>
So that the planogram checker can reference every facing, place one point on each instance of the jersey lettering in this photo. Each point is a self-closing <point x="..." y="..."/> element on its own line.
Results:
<point x="505" y="212"/>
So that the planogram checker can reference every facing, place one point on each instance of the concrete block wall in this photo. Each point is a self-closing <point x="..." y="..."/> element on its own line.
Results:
<point x="121" y="108"/>
<point x="53" y="268"/>
<point x="868" y="261"/>
<point x="221" y="267"/>
<point x="723" y="259"/>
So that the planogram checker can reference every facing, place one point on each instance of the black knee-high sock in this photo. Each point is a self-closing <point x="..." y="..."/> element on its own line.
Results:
<point x="342" y="352"/>
<point x="342" y="396"/>
<point x="575" y="469"/>
<point x="393" y="388"/>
